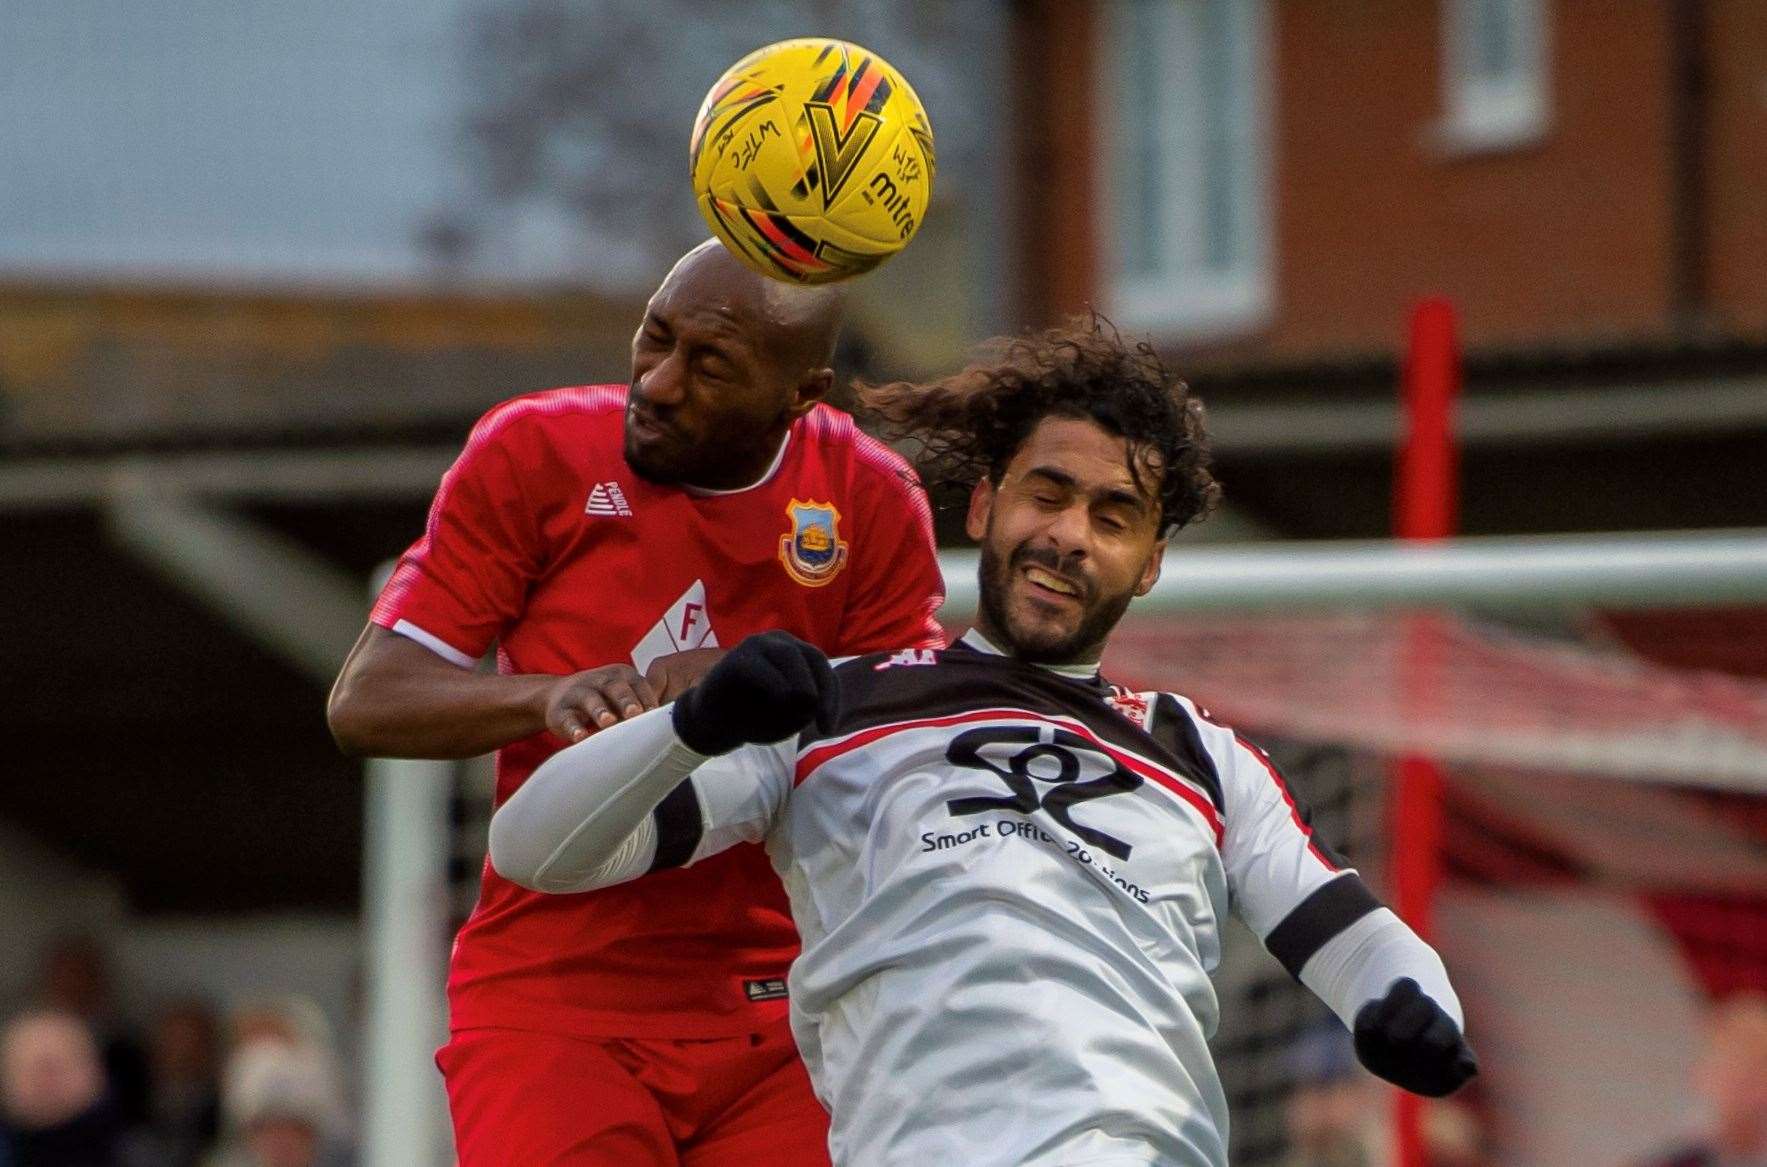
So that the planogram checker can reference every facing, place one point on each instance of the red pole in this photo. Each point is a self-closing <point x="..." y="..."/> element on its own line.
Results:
<point x="1427" y="494"/>
<point x="1424" y="508"/>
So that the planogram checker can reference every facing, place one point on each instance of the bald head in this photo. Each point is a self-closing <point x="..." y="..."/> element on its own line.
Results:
<point x="798" y="324"/>
<point x="725" y="361"/>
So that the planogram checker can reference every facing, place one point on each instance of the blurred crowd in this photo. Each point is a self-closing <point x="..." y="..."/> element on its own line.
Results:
<point x="259" y="1086"/>
<point x="1730" y="1128"/>
<point x="1339" y="1116"/>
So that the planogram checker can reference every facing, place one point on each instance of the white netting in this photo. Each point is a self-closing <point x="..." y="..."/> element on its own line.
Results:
<point x="1458" y="690"/>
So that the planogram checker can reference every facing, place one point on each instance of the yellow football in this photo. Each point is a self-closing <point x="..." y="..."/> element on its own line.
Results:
<point x="812" y="160"/>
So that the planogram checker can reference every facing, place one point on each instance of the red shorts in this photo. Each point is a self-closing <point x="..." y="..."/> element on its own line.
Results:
<point x="522" y="1099"/>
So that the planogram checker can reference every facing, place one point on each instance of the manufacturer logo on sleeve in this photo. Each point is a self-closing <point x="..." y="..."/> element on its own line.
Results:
<point x="813" y="551"/>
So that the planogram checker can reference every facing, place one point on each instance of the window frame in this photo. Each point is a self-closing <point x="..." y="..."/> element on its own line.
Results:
<point x="1481" y="113"/>
<point x="1198" y="306"/>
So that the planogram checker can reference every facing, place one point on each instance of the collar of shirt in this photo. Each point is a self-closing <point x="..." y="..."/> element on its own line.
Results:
<point x="772" y="469"/>
<point x="1079" y="672"/>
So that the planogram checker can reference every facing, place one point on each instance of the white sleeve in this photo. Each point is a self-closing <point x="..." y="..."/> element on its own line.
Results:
<point x="1362" y="962"/>
<point x="630" y="799"/>
<point x="1309" y="907"/>
<point x="1273" y="861"/>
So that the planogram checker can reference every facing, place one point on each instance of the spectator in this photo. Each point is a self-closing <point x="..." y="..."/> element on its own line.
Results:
<point x="1336" y="1115"/>
<point x="76" y="979"/>
<point x="55" y="1110"/>
<point x="1341" y="1116"/>
<point x="282" y="1110"/>
<point x="185" y="1104"/>
<point x="1732" y="1084"/>
<point x="288" y="1020"/>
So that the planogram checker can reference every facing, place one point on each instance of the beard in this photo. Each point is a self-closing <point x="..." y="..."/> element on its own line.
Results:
<point x="1041" y="644"/>
<point x="723" y="451"/>
<point x="647" y="460"/>
<point x="652" y="470"/>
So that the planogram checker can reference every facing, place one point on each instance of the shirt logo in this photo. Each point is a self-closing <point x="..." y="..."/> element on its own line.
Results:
<point x="908" y="657"/>
<point x="685" y="625"/>
<point x="813" y="551"/>
<point x="770" y="989"/>
<point x="1064" y="757"/>
<point x="608" y="499"/>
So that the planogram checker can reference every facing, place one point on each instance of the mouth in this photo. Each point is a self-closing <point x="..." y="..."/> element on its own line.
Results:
<point x="1051" y="587"/>
<point x="648" y="428"/>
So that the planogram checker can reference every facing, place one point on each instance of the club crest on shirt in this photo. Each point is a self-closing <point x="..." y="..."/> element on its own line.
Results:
<point x="1130" y="704"/>
<point x="813" y="551"/>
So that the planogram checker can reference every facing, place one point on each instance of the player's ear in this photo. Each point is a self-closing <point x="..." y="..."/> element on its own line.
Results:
<point x="981" y="505"/>
<point x="1150" y="574"/>
<point x="812" y="387"/>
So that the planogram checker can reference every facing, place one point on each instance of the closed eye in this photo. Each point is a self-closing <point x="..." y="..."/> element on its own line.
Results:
<point x="715" y="368"/>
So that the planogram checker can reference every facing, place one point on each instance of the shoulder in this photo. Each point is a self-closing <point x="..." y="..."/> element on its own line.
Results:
<point x="572" y="412"/>
<point x="1173" y="714"/>
<point x="875" y="468"/>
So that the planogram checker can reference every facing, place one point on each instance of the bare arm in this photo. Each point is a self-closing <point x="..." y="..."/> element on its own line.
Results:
<point x="395" y="698"/>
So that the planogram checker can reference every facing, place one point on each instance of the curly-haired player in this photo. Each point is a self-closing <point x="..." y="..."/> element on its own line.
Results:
<point x="1010" y="875"/>
<point x="971" y="425"/>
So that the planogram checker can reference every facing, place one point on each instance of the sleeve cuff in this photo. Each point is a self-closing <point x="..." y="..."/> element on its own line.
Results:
<point x="435" y="644"/>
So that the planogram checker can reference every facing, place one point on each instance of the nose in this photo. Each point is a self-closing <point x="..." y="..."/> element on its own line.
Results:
<point x="1070" y="531"/>
<point x="662" y="384"/>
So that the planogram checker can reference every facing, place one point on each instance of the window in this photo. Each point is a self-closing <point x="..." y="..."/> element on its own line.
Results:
<point x="1184" y="163"/>
<point x="1494" y="72"/>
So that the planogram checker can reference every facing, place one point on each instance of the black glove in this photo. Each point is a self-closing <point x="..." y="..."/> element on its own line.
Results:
<point x="1408" y="1039"/>
<point x="769" y="687"/>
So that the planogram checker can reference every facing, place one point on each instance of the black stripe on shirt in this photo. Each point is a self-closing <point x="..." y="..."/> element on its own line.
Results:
<point x="1315" y="920"/>
<point x="679" y="826"/>
<point x="1173" y="728"/>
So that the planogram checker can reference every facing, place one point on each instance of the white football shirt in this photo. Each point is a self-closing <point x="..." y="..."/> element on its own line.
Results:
<point x="1010" y="885"/>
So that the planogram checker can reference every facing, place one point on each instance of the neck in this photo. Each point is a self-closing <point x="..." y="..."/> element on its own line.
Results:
<point x="748" y="472"/>
<point x="983" y="637"/>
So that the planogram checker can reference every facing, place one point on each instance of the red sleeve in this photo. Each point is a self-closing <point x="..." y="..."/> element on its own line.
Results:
<point x="459" y="586"/>
<point x="897" y="585"/>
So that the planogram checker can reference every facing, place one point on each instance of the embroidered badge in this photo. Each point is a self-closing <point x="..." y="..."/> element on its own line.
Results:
<point x="1130" y="704"/>
<point x="813" y="552"/>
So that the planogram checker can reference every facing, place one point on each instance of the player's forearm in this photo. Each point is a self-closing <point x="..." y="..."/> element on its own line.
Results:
<point x="477" y="715"/>
<point x="1362" y="962"/>
<point x="582" y="820"/>
<point x="397" y="699"/>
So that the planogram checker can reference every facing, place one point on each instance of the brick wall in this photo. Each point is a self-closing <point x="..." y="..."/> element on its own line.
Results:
<point x="1570" y="239"/>
<point x="1736" y="158"/>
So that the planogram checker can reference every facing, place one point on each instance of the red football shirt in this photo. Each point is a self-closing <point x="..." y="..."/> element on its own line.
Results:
<point x="543" y="540"/>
